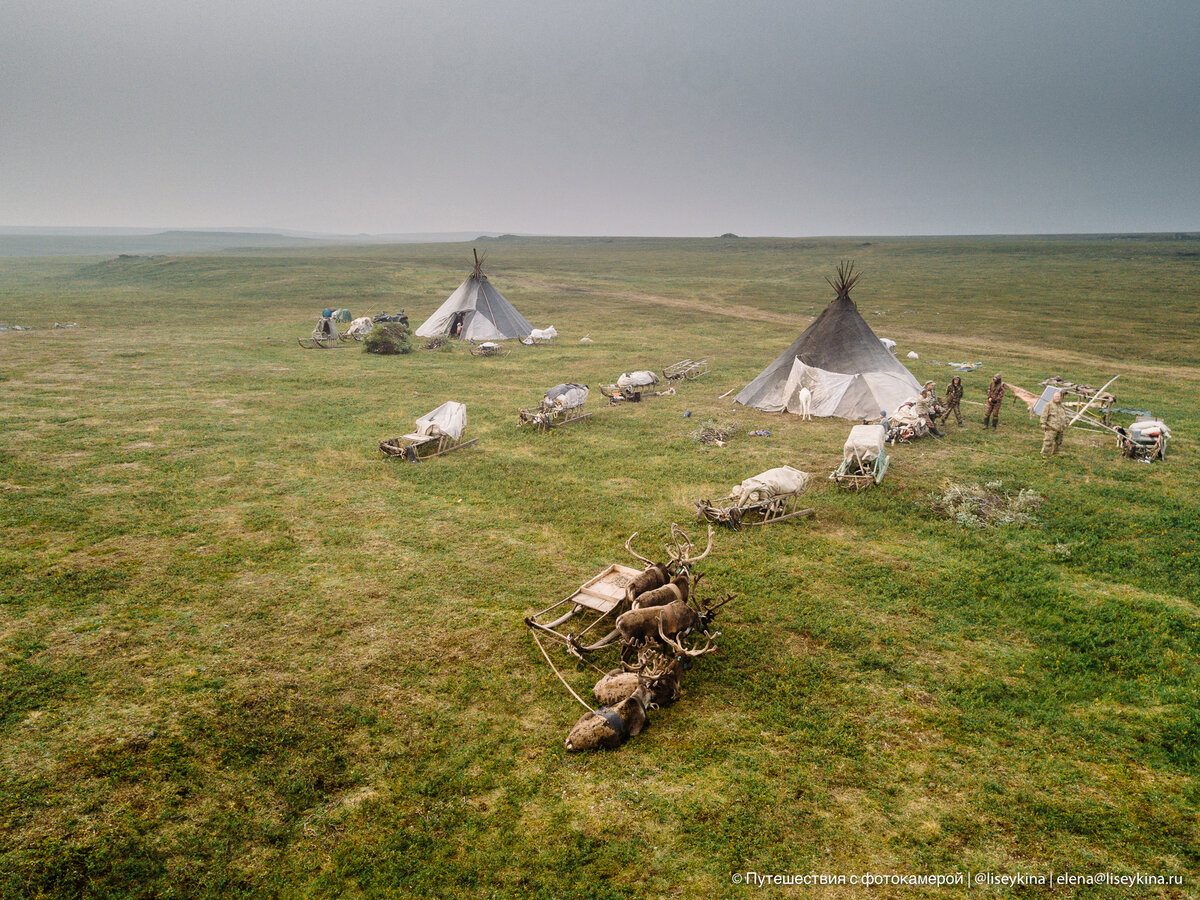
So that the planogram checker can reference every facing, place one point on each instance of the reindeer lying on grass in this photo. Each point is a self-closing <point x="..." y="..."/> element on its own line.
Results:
<point x="654" y="631"/>
<point x="626" y="694"/>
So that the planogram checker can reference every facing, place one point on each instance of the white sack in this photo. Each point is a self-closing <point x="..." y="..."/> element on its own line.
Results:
<point x="768" y="484"/>
<point x="889" y="344"/>
<point x="642" y="378"/>
<point x="448" y="419"/>
<point x="866" y="442"/>
<point x="360" y="326"/>
<point x="912" y="354"/>
<point x="543" y="334"/>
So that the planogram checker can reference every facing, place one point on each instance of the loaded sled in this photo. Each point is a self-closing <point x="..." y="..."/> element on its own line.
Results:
<point x="632" y="386"/>
<point x="437" y="432"/>
<point x="561" y="405"/>
<point x="770" y="496"/>
<point x="324" y="336"/>
<point x="864" y="458"/>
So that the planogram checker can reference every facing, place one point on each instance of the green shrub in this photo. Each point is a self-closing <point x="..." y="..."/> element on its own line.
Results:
<point x="978" y="507"/>
<point x="388" y="338"/>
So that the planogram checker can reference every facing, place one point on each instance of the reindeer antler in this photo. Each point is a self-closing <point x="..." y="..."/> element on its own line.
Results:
<point x="710" y="612"/>
<point x="678" y="647"/>
<point x="635" y="554"/>
<point x="652" y="664"/>
<point x="683" y="546"/>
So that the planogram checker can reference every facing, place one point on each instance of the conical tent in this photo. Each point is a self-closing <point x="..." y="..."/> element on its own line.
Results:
<point x="476" y="311"/>
<point x="850" y="374"/>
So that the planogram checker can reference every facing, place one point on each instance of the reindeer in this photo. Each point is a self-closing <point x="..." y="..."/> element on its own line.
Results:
<point x="671" y="577"/>
<point x="638" y="626"/>
<point x="607" y="729"/>
<point x="804" y="398"/>
<point x="662" y="673"/>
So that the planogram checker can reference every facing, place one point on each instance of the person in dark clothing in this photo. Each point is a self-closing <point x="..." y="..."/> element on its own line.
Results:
<point x="995" y="395"/>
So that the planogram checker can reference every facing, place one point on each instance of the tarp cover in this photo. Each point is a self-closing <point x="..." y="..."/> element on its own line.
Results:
<point x="448" y="419"/>
<point x="360" y="326"/>
<point x="866" y="442"/>
<point x="838" y="357"/>
<point x="768" y="484"/>
<point x="543" y="334"/>
<point x="1149" y="430"/>
<point x="566" y="396"/>
<point x="641" y="378"/>
<point x="486" y="315"/>
<point x="342" y="315"/>
<point x="326" y="329"/>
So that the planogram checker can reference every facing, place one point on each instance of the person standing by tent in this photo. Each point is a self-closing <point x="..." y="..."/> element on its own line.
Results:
<point x="954" y="392"/>
<point x="924" y="409"/>
<point x="995" y="395"/>
<point x="1054" y="425"/>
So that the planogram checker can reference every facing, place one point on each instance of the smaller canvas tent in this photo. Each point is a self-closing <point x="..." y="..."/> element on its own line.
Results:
<point x="477" y="312"/>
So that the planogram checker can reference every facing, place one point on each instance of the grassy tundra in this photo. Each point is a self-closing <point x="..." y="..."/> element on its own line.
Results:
<point x="244" y="655"/>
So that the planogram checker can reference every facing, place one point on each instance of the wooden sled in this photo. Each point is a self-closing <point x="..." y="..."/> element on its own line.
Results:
<point x="617" y="394"/>
<point x="728" y="511"/>
<point x="603" y="595"/>
<point x="489" y="349"/>
<point x="860" y="474"/>
<point x="419" y="447"/>
<point x="328" y="343"/>
<point x="686" y="370"/>
<point x="544" y="420"/>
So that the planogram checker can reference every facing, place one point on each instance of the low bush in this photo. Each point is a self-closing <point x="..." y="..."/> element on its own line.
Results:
<point x="388" y="338"/>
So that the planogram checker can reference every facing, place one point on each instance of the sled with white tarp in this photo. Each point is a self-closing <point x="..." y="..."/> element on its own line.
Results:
<point x="437" y="432"/>
<point x="561" y="405"/>
<point x="632" y="386"/>
<point x="770" y="496"/>
<point x="488" y="348"/>
<point x="1145" y="440"/>
<point x="864" y="458"/>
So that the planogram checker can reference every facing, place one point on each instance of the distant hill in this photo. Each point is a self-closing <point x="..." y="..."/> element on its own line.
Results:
<point x="17" y="244"/>
<point x="16" y="241"/>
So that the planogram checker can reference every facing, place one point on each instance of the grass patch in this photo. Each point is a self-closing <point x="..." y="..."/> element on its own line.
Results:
<point x="245" y="655"/>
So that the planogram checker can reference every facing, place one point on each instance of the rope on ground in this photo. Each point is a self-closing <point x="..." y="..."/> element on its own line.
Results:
<point x="554" y="669"/>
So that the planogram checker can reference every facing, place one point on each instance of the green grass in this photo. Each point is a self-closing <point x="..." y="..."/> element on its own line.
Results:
<point x="242" y="654"/>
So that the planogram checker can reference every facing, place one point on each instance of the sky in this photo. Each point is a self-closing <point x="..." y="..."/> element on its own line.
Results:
<point x="653" y="117"/>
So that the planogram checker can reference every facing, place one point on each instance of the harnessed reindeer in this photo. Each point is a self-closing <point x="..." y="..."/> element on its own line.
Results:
<point x="660" y="583"/>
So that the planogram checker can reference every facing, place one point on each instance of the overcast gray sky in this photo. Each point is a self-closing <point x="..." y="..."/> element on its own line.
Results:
<point x="607" y="117"/>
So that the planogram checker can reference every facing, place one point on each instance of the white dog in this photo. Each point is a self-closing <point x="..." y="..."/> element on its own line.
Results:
<point x="804" y="397"/>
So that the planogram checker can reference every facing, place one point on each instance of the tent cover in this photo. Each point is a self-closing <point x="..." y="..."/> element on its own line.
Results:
<point x="840" y="360"/>
<point x="482" y="310"/>
<point x="449" y="419"/>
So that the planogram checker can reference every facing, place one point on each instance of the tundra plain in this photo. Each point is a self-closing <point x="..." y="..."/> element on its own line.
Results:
<point x="244" y="655"/>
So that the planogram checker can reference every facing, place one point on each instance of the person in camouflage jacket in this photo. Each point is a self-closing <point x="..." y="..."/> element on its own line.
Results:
<point x="1054" y="425"/>
<point x="995" y="395"/>
<point x="954" y="392"/>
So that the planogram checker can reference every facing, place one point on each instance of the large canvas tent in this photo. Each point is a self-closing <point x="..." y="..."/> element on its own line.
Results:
<point x="840" y="360"/>
<point x="477" y="312"/>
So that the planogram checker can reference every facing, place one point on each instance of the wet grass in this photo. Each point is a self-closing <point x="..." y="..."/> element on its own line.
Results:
<point x="241" y="654"/>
